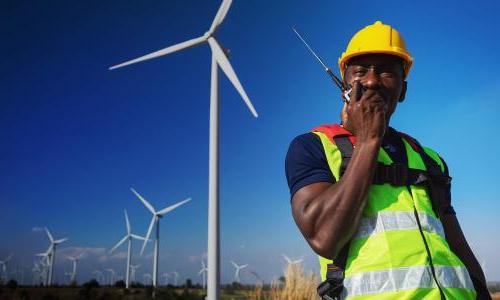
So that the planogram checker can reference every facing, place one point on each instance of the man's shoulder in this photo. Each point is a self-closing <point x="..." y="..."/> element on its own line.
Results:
<point x="415" y="144"/>
<point x="305" y="141"/>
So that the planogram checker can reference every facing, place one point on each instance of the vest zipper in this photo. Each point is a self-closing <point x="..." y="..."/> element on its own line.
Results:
<point x="433" y="270"/>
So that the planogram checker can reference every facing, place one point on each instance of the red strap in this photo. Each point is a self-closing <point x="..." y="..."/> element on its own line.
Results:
<point x="334" y="130"/>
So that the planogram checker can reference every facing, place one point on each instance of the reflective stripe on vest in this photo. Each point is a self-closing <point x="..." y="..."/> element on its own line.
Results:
<point x="398" y="220"/>
<point x="389" y="253"/>
<point x="393" y="280"/>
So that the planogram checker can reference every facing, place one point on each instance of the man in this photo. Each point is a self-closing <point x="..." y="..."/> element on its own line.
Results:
<point x="361" y="191"/>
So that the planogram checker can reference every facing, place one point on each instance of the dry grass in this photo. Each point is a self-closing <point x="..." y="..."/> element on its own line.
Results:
<point x="298" y="285"/>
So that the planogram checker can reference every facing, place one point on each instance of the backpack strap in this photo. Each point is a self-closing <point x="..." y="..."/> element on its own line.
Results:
<point x="346" y="148"/>
<point x="439" y="183"/>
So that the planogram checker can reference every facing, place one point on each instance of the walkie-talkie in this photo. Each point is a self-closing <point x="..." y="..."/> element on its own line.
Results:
<point x="344" y="90"/>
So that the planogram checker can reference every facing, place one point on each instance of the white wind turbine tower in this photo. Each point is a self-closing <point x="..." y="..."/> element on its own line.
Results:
<point x="156" y="221"/>
<point x="133" y="269"/>
<point x="203" y="272"/>
<point x="237" y="272"/>
<point x="128" y="237"/>
<point x="219" y="58"/>
<point x="291" y="262"/>
<point x="52" y="255"/>
<point x="4" y="266"/>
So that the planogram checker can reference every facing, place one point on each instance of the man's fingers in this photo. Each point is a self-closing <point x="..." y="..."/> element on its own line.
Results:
<point x="356" y="91"/>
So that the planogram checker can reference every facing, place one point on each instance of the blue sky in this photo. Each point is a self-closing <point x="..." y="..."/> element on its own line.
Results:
<point x="75" y="137"/>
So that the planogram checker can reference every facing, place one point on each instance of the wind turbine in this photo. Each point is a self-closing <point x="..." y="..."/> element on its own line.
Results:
<point x="176" y="275"/>
<point x="69" y="275"/>
<point x="4" y="265"/>
<point x="237" y="272"/>
<point x="99" y="273"/>
<point x="292" y="262"/>
<point x="219" y="58"/>
<point x="203" y="272"/>
<point x="166" y="275"/>
<point x="52" y="255"/>
<point x="156" y="221"/>
<point x="75" y="260"/>
<point x="132" y="272"/>
<point x="111" y="276"/>
<point x="145" y="277"/>
<point x="128" y="237"/>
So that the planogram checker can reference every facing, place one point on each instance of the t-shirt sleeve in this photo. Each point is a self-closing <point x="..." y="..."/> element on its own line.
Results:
<point x="306" y="163"/>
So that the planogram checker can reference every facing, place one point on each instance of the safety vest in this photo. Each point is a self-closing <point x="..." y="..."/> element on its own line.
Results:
<point x="399" y="250"/>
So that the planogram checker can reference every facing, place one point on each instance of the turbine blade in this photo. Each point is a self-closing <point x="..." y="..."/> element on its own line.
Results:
<point x="221" y="15"/>
<point x="60" y="241"/>
<point x="118" y="244"/>
<point x="144" y="201"/>
<point x="149" y="233"/>
<point x="137" y="237"/>
<point x="228" y="70"/>
<point x="172" y="207"/>
<point x="49" y="235"/>
<point x="234" y="264"/>
<point x="244" y="266"/>
<point x="288" y="260"/>
<point x="127" y="222"/>
<point x="164" y="51"/>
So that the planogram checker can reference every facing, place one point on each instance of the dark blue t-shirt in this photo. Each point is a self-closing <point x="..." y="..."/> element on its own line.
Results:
<point x="306" y="162"/>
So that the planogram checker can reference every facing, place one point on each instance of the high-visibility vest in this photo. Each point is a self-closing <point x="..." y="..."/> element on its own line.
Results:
<point x="399" y="250"/>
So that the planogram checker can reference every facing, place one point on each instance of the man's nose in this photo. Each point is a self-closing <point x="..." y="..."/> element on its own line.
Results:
<point x="372" y="79"/>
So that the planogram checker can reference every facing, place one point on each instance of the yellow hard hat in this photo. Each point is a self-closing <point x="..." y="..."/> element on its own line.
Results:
<point x="376" y="38"/>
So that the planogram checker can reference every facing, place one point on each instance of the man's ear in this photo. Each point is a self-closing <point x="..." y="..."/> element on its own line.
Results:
<point x="403" y="92"/>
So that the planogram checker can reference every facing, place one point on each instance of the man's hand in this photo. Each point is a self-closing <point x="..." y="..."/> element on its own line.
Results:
<point x="366" y="113"/>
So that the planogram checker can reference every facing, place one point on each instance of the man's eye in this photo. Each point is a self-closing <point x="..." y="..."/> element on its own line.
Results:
<point x="359" y="72"/>
<point x="387" y="74"/>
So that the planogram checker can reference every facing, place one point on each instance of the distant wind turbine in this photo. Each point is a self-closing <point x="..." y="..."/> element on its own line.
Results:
<point x="111" y="276"/>
<point x="156" y="221"/>
<point x="203" y="272"/>
<point x="52" y="253"/>
<point x="128" y="237"/>
<point x="292" y="262"/>
<point x="219" y="58"/>
<point x="75" y="260"/>
<point x="166" y="276"/>
<point x="147" y="278"/>
<point x="237" y="272"/>
<point x="176" y="276"/>
<point x="4" y="266"/>
<point x="99" y="276"/>
<point x="133" y="269"/>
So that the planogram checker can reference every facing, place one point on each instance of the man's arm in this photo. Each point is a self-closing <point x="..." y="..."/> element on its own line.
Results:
<point x="460" y="247"/>
<point x="328" y="214"/>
